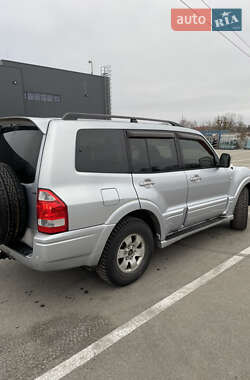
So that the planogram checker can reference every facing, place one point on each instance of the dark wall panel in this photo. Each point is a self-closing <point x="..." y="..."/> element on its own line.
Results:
<point x="11" y="92"/>
<point x="78" y="92"/>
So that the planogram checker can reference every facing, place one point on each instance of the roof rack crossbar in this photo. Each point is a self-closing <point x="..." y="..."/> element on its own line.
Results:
<point x="133" y="119"/>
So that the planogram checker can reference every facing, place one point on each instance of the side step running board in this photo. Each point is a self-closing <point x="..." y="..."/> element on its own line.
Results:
<point x="170" y="239"/>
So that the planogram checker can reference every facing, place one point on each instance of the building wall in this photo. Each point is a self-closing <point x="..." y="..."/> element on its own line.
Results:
<point x="222" y="139"/>
<point x="42" y="91"/>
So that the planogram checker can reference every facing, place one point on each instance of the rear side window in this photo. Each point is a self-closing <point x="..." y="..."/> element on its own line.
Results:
<point x="20" y="149"/>
<point x="101" y="151"/>
<point x="139" y="156"/>
<point x="162" y="155"/>
<point x="152" y="155"/>
<point x="196" y="154"/>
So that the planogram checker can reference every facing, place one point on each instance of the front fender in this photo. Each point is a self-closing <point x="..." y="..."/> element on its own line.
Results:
<point x="243" y="184"/>
<point x="240" y="179"/>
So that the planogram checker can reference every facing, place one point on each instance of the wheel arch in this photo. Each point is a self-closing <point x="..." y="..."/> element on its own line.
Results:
<point x="243" y="184"/>
<point x="145" y="210"/>
<point x="149" y="218"/>
<point x="150" y="214"/>
<point x="248" y="187"/>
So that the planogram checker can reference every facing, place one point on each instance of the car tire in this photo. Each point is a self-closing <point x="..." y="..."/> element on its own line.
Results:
<point x="13" y="206"/>
<point x="127" y="252"/>
<point x="241" y="211"/>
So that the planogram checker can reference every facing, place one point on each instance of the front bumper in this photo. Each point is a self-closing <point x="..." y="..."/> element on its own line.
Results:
<point x="63" y="251"/>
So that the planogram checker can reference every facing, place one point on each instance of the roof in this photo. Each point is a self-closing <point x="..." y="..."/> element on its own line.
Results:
<point x="43" y="123"/>
<point x="4" y="62"/>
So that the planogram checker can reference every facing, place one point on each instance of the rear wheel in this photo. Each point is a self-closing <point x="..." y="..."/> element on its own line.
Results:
<point x="241" y="211"/>
<point x="127" y="252"/>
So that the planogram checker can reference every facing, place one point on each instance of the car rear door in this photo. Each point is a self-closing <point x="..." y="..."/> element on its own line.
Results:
<point x="208" y="184"/>
<point x="157" y="177"/>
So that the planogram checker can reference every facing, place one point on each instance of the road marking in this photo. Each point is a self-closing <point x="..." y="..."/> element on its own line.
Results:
<point x="121" y="332"/>
<point x="245" y="252"/>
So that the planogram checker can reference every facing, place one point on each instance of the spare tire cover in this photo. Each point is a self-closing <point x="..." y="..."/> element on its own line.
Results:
<point x="13" y="206"/>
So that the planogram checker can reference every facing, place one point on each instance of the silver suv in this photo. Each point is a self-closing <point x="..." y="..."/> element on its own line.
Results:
<point x="102" y="191"/>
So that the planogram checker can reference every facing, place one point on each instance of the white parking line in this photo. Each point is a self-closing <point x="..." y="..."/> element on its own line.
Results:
<point x="119" y="333"/>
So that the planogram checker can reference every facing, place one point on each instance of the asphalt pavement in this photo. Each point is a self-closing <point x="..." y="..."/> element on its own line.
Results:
<point x="48" y="317"/>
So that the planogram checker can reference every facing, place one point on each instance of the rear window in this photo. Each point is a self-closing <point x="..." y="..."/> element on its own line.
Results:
<point x="20" y="149"/>
<point x="101" y="151"/>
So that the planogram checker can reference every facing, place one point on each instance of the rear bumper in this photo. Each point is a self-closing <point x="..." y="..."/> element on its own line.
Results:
<point x="63" y="251"/>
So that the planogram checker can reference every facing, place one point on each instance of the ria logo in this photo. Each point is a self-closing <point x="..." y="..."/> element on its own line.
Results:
<point x="201" y="19"/>
<point x="227" y="19"/>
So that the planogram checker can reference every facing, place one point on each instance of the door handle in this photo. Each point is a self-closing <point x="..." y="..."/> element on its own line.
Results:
<point x="195" y="178"/>
<point x="147" y="182"/>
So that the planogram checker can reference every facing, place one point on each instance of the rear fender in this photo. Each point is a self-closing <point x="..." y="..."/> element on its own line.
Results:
<point x="130" y="207"/>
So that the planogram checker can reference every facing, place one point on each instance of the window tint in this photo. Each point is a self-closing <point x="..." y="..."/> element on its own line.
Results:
<point x="139" y="157"/>
<point x="20" y="150"/>
<point x="196" y="154"/>
<point x="151" y="155"/>
<point x="162" y="154"/>
<point x="101" y="151"/>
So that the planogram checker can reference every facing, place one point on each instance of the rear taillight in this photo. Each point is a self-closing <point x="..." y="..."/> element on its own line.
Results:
<point x="52" y="213"/>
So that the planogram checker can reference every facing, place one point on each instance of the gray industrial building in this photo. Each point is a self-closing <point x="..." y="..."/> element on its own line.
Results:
<point x="31" y="90"/>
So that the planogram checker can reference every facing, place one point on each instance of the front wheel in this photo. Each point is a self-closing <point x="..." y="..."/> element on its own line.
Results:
<point x="241" y="211"/>
<point x="127" y="252"/>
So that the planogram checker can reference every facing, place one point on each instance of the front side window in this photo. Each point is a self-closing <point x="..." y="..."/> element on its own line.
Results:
<point x="196" y="154"/>
<point x="101" y="151"/>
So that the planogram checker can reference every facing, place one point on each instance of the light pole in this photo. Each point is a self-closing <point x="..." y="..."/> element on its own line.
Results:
<point x="92" y="66"/>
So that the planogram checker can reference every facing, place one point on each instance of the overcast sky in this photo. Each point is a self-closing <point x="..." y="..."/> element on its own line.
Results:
<point x="155" y="71"/>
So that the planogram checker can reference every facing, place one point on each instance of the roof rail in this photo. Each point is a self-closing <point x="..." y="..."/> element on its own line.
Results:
<point x="133" y="119"/>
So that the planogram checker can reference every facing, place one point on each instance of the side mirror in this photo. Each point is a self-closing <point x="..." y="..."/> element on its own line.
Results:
<point x="225" y="160"/>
